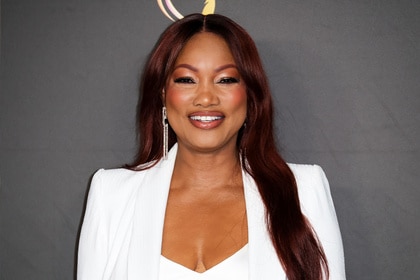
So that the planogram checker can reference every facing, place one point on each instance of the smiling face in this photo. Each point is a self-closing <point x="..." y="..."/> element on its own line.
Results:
<point x="205" y="96"/>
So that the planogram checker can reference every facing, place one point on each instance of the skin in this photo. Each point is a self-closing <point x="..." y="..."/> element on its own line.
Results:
<point x="205" y="219"/>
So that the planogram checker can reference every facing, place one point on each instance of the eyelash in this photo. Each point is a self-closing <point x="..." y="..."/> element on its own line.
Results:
<point x="184" y="80"/>
<point x="228" y="80"/>
<point x="187" y="80"/>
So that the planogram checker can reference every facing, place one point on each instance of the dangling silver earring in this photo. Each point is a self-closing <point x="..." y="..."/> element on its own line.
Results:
<point x="165" y="133"/>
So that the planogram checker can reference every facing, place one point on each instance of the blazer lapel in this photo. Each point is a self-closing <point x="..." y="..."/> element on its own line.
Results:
<point x="146" y="241"/>
<point x="263" y="260"/>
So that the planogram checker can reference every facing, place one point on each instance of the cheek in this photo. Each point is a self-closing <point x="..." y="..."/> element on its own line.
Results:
<point x="238" y="99"/>
<point x="176" y="100"/>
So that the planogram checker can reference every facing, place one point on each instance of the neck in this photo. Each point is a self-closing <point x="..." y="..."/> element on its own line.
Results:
<point x="206" y="170"/>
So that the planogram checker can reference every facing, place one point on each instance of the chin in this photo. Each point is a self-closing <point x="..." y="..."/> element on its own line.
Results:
<point x="209" y="147"/>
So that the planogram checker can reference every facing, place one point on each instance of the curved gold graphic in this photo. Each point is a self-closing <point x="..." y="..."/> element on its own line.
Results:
<point x="209" y="8"/>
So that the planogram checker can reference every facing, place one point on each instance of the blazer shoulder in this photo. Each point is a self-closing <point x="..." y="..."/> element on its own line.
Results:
<point x="313" y="188"/>
<point x="120" y="175"/>
<point x="116" y="183"/>
<point x="307" y="174"/>
<point x="317" y="205"/>
<point x="110" y="205"/>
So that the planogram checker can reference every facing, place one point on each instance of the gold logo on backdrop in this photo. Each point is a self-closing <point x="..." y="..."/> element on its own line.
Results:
<point x="169" y="10"/>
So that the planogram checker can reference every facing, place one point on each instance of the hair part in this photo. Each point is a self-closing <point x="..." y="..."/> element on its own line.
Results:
<point x="294" y="240"/>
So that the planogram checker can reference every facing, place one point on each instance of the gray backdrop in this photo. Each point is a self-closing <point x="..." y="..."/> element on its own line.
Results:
<point x="345" y="77"/>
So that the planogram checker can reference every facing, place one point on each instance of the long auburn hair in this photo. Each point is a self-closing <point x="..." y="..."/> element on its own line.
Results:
<point x="294" y="240"/>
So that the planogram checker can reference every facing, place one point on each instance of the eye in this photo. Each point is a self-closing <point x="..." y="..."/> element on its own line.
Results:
<point x="228" y="80"/>
<point x="184" y="80"/>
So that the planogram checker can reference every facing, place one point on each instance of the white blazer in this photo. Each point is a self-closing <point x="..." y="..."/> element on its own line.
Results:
<point x="121" y="235"/>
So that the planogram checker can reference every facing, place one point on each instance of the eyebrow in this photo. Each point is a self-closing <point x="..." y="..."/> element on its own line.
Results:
<point x="192" y="68"/>
<point x="223" y="67"/>
<point x="184" y="65"/>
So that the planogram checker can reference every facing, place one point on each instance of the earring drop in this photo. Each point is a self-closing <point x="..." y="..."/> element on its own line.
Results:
<point x="165" y="133"/>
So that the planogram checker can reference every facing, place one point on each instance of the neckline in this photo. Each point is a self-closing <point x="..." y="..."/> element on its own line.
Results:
<point x="241" y="251"/>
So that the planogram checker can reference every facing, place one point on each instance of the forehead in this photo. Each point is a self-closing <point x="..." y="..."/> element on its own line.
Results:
<point x="206" y="45"/>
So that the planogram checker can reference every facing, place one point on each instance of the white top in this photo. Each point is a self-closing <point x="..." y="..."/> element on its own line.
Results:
<point x="234" y="267"/>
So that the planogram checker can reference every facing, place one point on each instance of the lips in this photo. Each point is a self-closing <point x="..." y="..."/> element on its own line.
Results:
<point x="206" y="120"/>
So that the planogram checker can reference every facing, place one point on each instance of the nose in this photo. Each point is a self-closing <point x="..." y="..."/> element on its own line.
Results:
<point x="206" y="95"/>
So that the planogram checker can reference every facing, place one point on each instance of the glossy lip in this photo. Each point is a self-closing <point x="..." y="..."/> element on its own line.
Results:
<point x="212" y="119"/>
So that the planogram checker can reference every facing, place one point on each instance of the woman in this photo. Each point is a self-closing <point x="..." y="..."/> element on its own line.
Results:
<point x="222" y="204"/>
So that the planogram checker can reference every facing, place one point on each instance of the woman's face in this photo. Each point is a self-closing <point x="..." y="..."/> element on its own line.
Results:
<point x="205" y="96"/>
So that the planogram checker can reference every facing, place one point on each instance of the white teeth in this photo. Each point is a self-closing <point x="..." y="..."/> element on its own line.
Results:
<point x="205" y="118"/>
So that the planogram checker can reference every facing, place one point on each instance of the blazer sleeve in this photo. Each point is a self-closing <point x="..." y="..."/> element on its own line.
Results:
<point x="92" y="253"/>
<point x="318" y="207"/>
